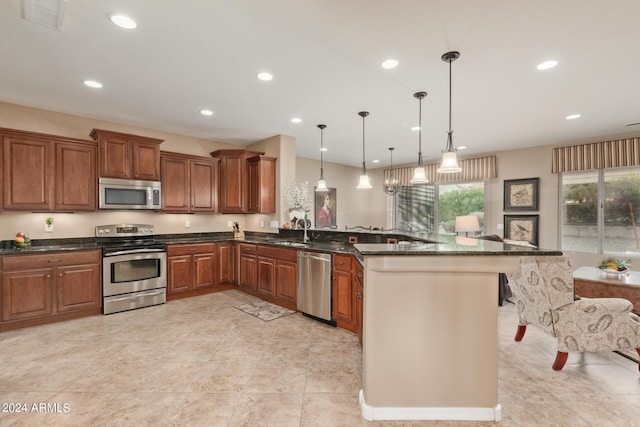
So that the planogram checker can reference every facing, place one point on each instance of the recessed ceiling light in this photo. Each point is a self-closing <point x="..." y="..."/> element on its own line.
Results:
<point x="296" y="120"/>
<point x="323" y="149"/>
<point x="547" y="65"/>
<point x="92" y="83"/>
<point x="573" y="116"/>
<point x="462" y="147"/>
<point x="389" y="64"/>
<point x="123" y="21"/>
<point x="206" y="112"/>
<point x="265" y="77"/>
<point x="415" y="128"/>
<point x="375" y="161"/>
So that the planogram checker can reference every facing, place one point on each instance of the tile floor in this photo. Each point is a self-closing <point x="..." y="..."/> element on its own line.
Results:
<point x="201" y="362"/>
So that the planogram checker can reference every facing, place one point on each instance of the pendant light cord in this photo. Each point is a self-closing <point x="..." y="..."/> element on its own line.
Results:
<point x="420" y="134"/>
<point x="321" y="152"/>
<point x="363" y="114"/>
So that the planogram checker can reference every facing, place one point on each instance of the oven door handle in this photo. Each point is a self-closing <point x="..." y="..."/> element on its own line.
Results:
<point x="136" y="295"/>
<point x="134" y="251"/>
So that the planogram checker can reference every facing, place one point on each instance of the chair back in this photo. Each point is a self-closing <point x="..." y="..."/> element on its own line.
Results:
<point x="543" y="284"/>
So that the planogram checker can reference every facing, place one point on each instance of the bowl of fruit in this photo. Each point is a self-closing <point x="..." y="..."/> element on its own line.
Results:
<point x="21" y="241"/>
<point x="614" y="267"/>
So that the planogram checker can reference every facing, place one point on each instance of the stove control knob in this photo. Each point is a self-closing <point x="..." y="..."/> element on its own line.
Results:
<point x="106" y="231"/>
<point x="100" y="231"/>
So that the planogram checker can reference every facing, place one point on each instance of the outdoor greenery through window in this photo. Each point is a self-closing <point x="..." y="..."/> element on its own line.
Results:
<point x="601" y="211"/>
<point x="421" y="207"/>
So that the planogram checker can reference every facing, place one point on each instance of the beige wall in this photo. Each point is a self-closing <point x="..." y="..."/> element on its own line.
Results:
<point x="354" y="207"/>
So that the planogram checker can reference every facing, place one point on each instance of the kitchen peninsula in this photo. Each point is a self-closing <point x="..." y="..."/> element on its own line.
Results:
<point x="430" y="345"/>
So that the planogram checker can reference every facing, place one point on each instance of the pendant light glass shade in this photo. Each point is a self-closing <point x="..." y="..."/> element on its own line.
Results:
<point x="364" y="182"/>
<point x="322" y="184"/>
<point x="449" y="158"/>
<point x="419" y="174"/>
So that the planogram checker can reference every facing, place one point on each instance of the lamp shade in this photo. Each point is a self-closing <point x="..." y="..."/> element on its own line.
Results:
<point x="449" y="163"/>
<point x="364" y="182"/>
<point x="467" y="223"/>
<point x="419" y="176"/>
<point x="322" y="185"/>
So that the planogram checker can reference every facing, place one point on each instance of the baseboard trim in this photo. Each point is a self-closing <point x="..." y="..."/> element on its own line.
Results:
<point x="371" y="413"/>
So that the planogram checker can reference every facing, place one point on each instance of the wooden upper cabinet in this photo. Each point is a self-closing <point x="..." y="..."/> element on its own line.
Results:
<point x="189" y="183"/>
<point x="47" y="173"/>
<point x="76" y="177"/>
<point x="261" y="182"/>
<point x="128" y="156"/>
<point x="246" y="184"/>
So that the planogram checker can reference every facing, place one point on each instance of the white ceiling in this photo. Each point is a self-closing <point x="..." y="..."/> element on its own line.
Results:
<point x="325" y="56"/>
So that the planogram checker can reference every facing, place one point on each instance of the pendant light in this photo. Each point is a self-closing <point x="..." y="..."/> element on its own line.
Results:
<point x="391" y="183"/>
<point x="449" y="159"/>
<point x="322" y="184"/>
<point x="419" y="175"/>
<point x="364" y="183"/>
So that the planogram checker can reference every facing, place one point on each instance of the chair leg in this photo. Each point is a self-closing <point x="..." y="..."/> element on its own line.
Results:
<point x="520" y="333"/>
<point x="561" y="359"/>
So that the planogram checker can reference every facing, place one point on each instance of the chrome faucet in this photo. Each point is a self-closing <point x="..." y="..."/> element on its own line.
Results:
<point x="305" y="238"/>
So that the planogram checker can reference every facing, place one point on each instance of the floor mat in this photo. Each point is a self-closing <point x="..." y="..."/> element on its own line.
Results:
<point x="264" y="310"/>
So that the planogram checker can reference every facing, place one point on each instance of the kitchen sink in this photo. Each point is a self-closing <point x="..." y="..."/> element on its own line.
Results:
<point x="294" y="244"/>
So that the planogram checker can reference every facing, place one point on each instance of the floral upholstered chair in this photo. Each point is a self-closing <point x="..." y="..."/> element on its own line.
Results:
<point x="543" y="289"/>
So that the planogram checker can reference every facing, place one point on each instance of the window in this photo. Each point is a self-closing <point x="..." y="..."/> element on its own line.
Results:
<point x="421" y="207"/>
<point x="600" y="211"/>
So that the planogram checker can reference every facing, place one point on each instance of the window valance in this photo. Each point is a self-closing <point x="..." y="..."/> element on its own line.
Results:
<point x="472" y="170"/>
<point x="598" y="155"/>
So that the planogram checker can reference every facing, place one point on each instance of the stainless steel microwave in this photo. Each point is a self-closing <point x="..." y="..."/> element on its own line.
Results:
<point x="129" y="194"/>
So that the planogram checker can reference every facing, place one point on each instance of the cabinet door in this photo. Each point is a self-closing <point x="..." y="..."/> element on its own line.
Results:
<point x="266" y="276"/>
<point x="175" y="184"/>
<point x="225" y="263"/>
<point x="27" y="294"/>
<point x="247" y="272"/>
<point x="232" y="168"/>
<point x="261" y="183"/>
<point x="146" y="160"/>
<point x="203" y="186"/>
<point x="115" y="155"/>
<point x="286" y="282"/>
<point x="343" y="299"/>
<point x="205" y="270"/>
<point x="78" y="287"/>
<point x="28" y="174"/>
<point x="179" y="274"/>
<point x="75" y="170"/>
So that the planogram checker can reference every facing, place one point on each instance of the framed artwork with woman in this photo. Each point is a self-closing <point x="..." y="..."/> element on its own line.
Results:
<point x="325" y="208"/>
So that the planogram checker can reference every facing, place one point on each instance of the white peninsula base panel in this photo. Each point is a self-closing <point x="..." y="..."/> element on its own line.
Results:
<point x="430" y="345"/>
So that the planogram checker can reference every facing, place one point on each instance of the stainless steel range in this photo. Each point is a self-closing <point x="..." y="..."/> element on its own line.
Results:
<point x="134" y="267"/>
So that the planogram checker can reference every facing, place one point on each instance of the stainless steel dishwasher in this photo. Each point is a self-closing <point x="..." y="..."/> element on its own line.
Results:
<point x="314" y="285"/>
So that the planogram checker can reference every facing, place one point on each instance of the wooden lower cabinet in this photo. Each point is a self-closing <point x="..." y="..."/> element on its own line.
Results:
<point x="248" y="267"/>
<point x="268" y="272"/>
<point x="37" y="289"/>
<point x="191" y="269"/>
<point x="226" y="263"/>
<point x="343" y="292"/>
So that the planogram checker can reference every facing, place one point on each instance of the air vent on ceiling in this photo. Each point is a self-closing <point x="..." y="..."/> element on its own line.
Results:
<point x="49" y="13"/>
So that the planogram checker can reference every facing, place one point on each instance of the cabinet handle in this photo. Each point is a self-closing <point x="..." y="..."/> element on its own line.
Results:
<point x="359" y="274"/>
<point x="192" y="249"/>
<point x="53" y="260"/>
<point x="59" y="274"/>
<point x="48" y="275"/>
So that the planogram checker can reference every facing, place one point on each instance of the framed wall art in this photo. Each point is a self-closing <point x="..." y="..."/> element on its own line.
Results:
<point x="521" y="194"/>
<point x="522" y="228"/>
<point x="325" y="208"/>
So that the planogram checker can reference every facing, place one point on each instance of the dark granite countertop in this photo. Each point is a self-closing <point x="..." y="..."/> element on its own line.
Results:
<point x="370" y="243"/>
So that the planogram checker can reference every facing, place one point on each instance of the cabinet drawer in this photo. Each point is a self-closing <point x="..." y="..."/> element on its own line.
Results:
<point x="52" y="259"/>
<point x="247" y="248"/>
<point x="342" y="262"/>
<point x="278" y="253"/>
<point x="189" y="249"/>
